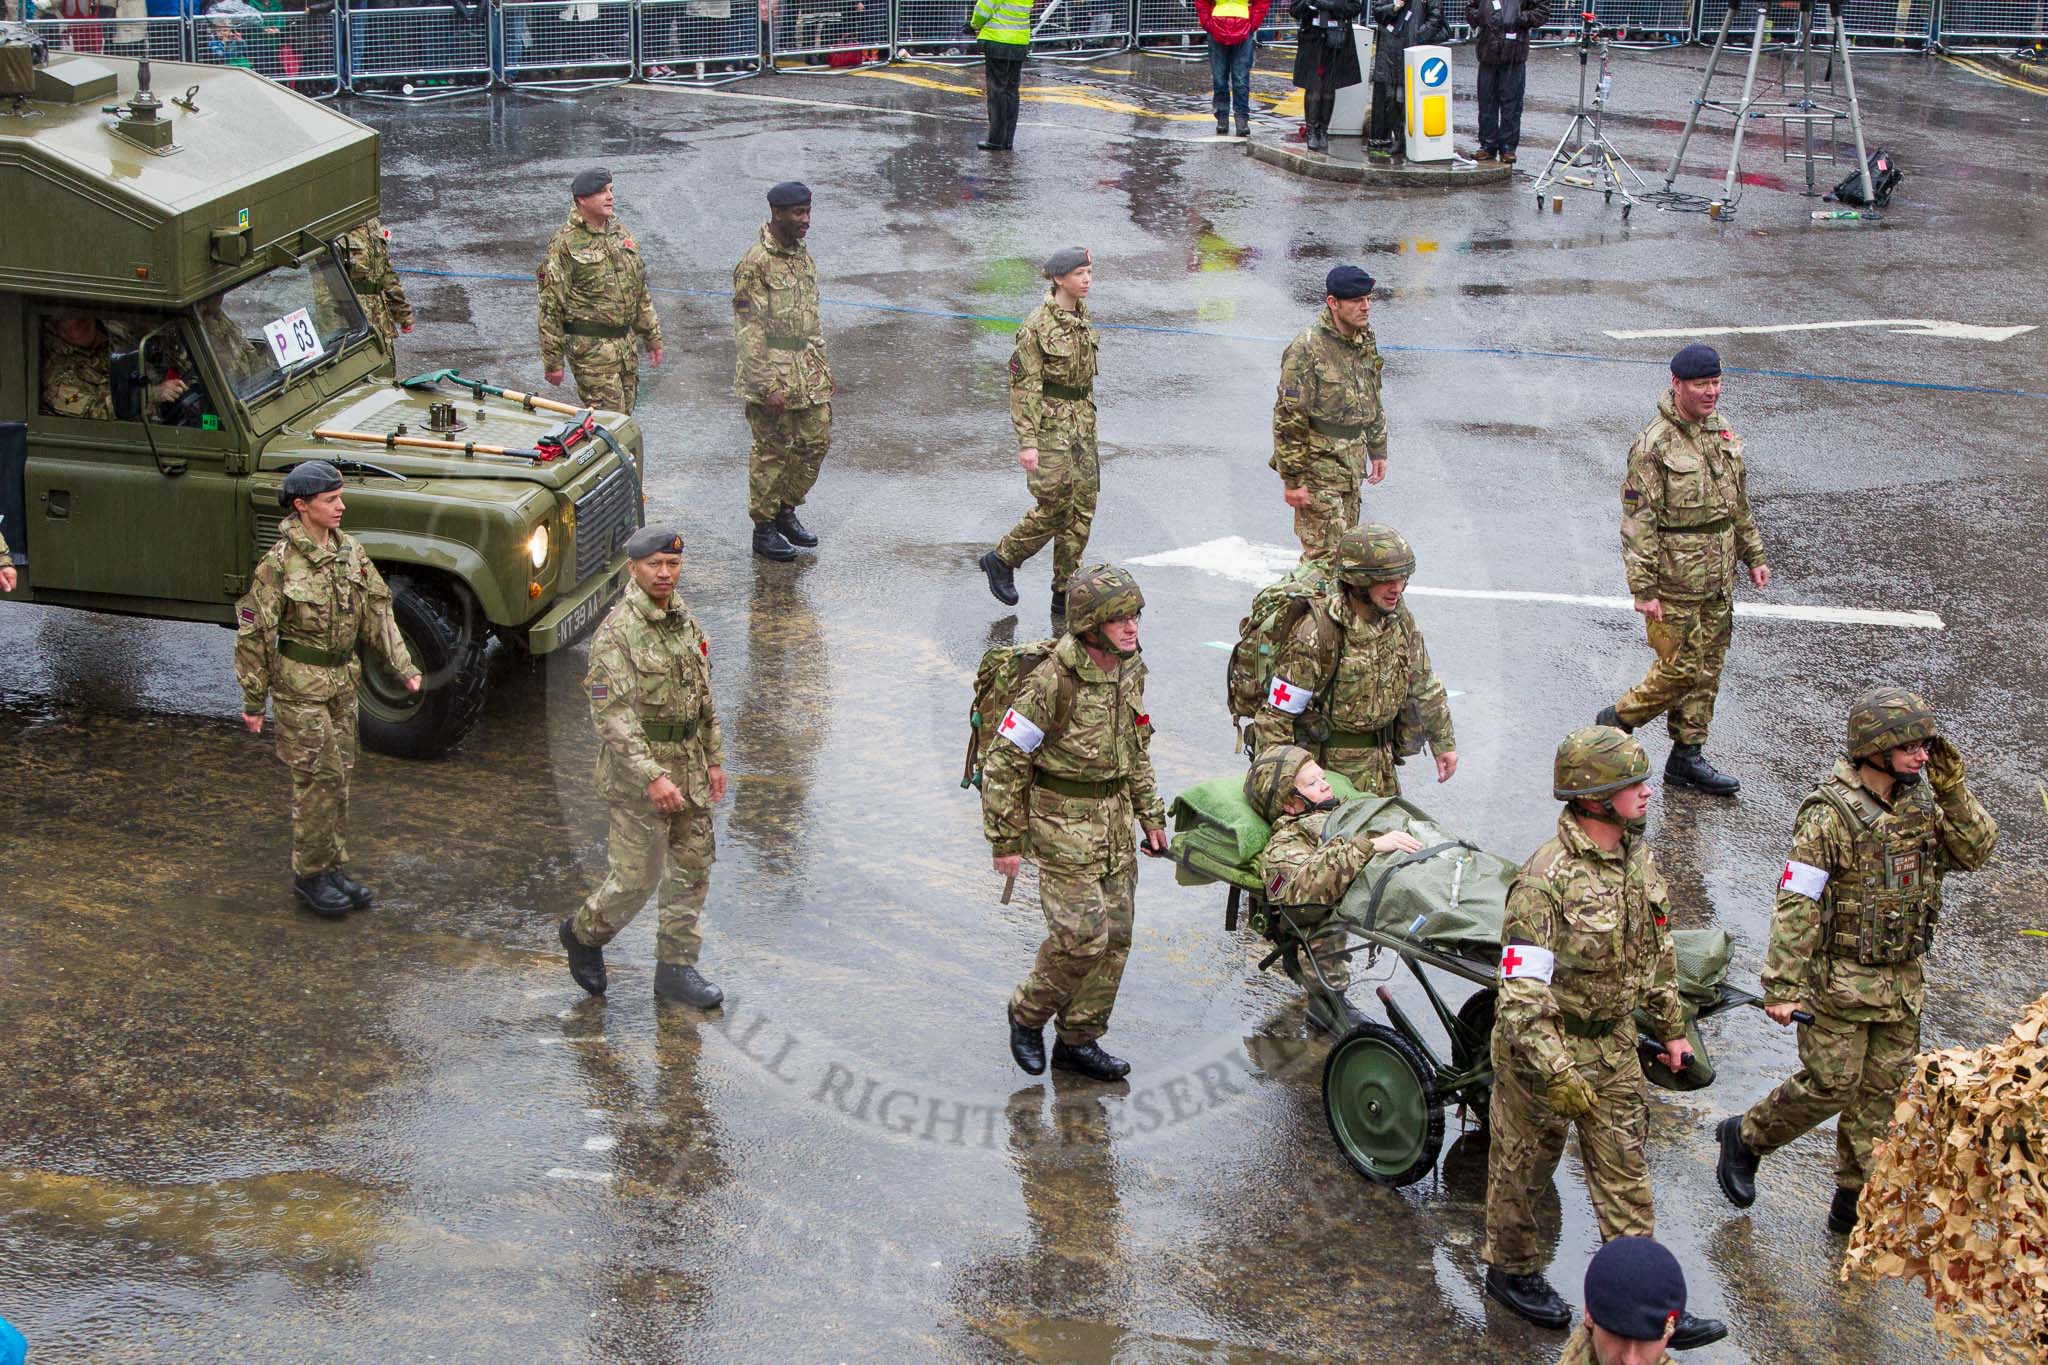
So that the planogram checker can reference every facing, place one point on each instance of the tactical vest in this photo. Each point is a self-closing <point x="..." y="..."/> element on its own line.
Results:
<point x="1882" y="907"/>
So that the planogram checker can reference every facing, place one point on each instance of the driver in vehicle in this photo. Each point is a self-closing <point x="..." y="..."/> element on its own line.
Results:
<point x="77" y="353"/>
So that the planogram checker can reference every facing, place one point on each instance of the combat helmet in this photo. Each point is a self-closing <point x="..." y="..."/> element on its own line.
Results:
<point x="1272" y="778"/>
<point x="1885" y="717"/>
<point x="1374" y="553"/>
<point x="1098" y="593"/>
<point x="1596" y="761"/>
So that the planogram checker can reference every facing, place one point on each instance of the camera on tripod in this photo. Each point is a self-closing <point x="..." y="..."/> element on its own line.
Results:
<point x="1591" y="30"/>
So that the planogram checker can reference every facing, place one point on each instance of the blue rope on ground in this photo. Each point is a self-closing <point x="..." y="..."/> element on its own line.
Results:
<point x="1506" y="352"/>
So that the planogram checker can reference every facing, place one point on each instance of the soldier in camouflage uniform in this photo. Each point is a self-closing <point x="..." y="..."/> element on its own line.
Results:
<point x="1052" y="407"/>
<point x="660" y="766"/>
<point x="1856" y="909"/>
<point x="314" y="603"/>
<point x="1075" y="771"/>
<point x="1309" y="876"/>
<point x="366" y="255"/>
<point x="77" y="354"/>
<point x="1583" y="947"/>
<point x="594" y="303"/>
<point x="1353" y="682"/>
<point x="1685" y="525"/>
<point x="1635" y="1296"/>
<point x="9" y="576"/>
<point x="781" y="372"/>
<point x="1329" y="429"/>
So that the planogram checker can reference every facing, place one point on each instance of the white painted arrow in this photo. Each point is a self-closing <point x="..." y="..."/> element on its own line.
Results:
<point x="1912" y="327"/>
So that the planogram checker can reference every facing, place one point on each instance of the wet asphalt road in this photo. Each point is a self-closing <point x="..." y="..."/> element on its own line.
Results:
<point x="235" y="1132"/>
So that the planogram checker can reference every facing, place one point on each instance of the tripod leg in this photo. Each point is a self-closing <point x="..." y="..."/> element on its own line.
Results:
<point x="1692" y="119"/>
<point x="1756" y="48"/>
<point x="1806" y="89"/>
<point x="1855" y="109"/>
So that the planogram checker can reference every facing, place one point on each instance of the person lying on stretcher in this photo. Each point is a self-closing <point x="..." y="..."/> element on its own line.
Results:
<point x="1287" y="787"/>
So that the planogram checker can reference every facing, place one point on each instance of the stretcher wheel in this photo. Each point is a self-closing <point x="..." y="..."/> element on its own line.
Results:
<point x="1379" y="1095"/>
<point x="1475" y="1016"/>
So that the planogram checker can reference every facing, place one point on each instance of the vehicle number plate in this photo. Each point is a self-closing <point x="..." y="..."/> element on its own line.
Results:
<point x="294" y="338"/>
<point x="583" y="614"/>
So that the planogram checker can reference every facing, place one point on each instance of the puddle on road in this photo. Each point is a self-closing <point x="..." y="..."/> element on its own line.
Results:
<point x="1068" y="1339"/>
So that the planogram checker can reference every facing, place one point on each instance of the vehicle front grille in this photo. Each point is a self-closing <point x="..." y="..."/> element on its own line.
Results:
<point x="269" y="526"/>
<point x="605" y="517"/>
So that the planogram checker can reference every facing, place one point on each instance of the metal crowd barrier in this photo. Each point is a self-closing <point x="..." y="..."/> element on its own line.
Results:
<point x="833" y="33"/>
<point x="419" y="52"/>
<point x="1975" y="25"/>
<point x="699" y="41"/>
<point x="293" y="47"/>
<point x="576" y="45"/>
<point x="935" y="30"/>
<point x="1081" y="30"/>
<point x="160" y="40"/>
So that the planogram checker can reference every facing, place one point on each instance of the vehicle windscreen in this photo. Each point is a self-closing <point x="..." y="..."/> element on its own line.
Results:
<point x="284" y="321"/>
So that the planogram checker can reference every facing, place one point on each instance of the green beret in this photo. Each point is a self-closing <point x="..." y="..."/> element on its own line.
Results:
<point x="654" y="540"/>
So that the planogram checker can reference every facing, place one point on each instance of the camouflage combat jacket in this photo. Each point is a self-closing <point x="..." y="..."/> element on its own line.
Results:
<point x="1884" y="863"/>
<point x="1685" y="519"/>
<point x="367" y="258"/>
<point x="1355" y="674"/>
<point x="1578" y="1350"/>
<point x="1299" y="868"/>
<point x="1052" y="377"/>
<point x="1069" y="800"/>
<point x="75" y="382"/>
<point x="1327" y="419"/>
<point x="775" y="326"/>
<point x="650" y="699"/>
<point x="593" y="277"/>
<point x="324" y="600"/>
<point x="1601" y="915"/>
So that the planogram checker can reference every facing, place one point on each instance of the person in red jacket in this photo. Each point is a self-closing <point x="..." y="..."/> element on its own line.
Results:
<point x="1232" y="26"/>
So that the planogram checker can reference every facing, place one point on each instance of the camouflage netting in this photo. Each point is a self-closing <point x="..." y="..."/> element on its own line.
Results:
<point x="1958" y="1198"/>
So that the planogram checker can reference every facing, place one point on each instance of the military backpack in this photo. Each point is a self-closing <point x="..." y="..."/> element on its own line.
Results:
<point x="997" y="680"/>
<point x="1261" y="634"/>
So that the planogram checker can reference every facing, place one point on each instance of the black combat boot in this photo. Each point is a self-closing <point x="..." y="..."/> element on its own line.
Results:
<point x="1244" y="125"/>
<point x="322" y="896"/>
<point x="1690" y="1332"/>
<point x="793" y="530"/>
<point x="686" y="984"/>
<point x="1609" y="716"/>
<point x="1334" y="1016"/>
<point x="1059" y="603"/>
<point x="1222" y="125"/>
<point x="1089" y="1060"/>
<point x="1689" y="768"/>
<point x="1530" y="1298"/>
<point x="1842" y="1212"/>
<point x="769" y="542"/>
<point x="1027" y="1046"/>
<point x="1737" y="1168"/>
<point x="1002" y="579"/>
<point x="586" y="963"/>
<point x="359" y="896"/>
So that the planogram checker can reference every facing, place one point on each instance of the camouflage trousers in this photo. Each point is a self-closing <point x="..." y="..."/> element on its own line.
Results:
<point x="606" y="370"/>
<point x="789" y="445"/>
<point x="1528" y="1139"/>
<point x="649" y="849"/>
<point x="1088" y="918"/>
<point x="317" y="741"/>
<point x="1064" y="485"/>
<point x="1692" y="644"/>
<point x="1332" y="510"/>
<point x="1369" y="770"/>
<point x="378" y="314"/>
<point x="1849" y="1068"/>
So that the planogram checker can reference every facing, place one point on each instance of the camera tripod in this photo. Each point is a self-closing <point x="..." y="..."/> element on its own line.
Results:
<point x="1592" y="163"/>
<point x="1803" y="109"/>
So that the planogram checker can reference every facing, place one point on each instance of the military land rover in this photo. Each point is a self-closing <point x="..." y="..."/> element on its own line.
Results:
<point x="187" y="241"/>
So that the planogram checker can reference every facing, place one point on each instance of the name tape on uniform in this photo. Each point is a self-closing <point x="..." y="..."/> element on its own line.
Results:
<point x="1803" y="879"/>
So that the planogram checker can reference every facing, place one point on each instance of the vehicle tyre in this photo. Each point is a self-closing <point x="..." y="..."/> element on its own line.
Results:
<point x="1473" y="1046"/>
<point x="1379" y="1095"/>
<point x="445" y="633"/>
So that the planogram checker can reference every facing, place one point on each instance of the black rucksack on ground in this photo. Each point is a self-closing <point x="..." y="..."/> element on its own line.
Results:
<point x="1885" y="176"/>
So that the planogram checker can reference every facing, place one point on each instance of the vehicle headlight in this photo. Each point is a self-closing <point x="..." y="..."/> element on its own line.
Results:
<point x="537" y="546"/>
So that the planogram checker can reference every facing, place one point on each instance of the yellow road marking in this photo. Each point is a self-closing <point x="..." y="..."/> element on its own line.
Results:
<point x="1287" y="104"/>
<point x="1979" y="69"/>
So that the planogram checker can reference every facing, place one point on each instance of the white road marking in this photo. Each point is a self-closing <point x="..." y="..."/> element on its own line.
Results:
<point x="592" y="1177"/>
<point x="1245" y="561"/>
<point x="1916" y="327"/>
<point x="603" y="1142"/>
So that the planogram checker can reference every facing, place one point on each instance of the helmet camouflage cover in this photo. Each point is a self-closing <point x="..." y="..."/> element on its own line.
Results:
<point x="1098" y="593"/>
<point x="1883" y="718"/>
<point x="1272" y="778"/>
<point x="1597" y="761"/>
<point x="1374" y="553"/>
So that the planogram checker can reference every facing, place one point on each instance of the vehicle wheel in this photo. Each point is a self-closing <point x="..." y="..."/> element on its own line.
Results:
<point x="444" y="631"/>
<point x="1379" y="1094"/>
<point x="1473" y="1046"/>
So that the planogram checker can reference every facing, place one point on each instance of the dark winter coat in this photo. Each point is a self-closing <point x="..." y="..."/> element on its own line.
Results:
<point x="1501" y="29"/>
<point x="1328" y="51"/>
<point x="1396" y="30"/>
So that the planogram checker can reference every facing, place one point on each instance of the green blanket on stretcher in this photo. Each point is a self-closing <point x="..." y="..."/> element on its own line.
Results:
<point x="1452" y="896"/>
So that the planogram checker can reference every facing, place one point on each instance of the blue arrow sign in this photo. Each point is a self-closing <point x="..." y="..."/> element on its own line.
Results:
<point x="1435" y="71"/>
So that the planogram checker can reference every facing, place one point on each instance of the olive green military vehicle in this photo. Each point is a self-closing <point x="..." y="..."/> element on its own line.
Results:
<point x="175" y="328"/>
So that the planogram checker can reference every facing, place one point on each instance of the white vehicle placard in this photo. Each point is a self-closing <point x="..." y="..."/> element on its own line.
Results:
<point x="294" y="338"/>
